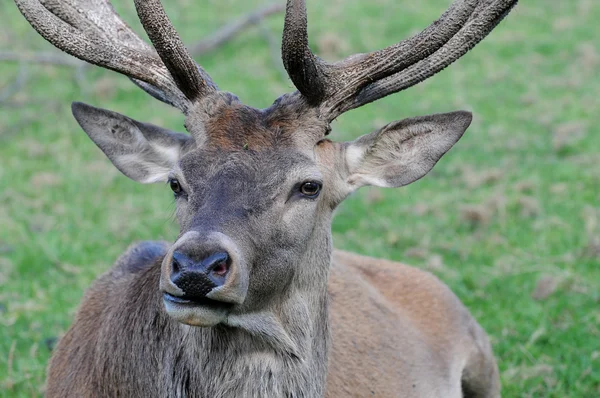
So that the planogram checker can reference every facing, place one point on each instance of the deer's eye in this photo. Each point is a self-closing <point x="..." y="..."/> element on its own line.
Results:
<point x="175" y="186"/>
<point x="310" y="189"/>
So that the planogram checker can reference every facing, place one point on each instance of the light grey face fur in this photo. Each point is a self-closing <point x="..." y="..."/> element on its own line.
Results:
<point x="253" y="199"/>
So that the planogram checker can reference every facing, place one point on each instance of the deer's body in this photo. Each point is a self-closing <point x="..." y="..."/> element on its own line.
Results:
<point x="428" y="346"/>
<point x="250" y="300"/>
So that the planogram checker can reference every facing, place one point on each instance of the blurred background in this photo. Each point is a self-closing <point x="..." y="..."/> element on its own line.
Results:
<point x="509" y="219"/>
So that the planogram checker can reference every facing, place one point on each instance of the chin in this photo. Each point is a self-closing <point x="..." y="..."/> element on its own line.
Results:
<point x="202" y="313"/>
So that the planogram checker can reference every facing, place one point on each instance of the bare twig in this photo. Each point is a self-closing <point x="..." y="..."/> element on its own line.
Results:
<point x="232" y="29"/>
<point x="47" y="58"/>
<point x="80" y="78"/>
<point x="9" y="364"/>
<point x="21" y="102"/>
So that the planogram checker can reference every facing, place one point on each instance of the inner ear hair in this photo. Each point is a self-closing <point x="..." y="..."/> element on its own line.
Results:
<point x="403" y="151"/>
<point x="143" y="152"/>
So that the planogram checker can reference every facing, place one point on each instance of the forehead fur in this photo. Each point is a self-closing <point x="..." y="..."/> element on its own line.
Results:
<point x="222" y="122"/>
<point x="233" y="185"/>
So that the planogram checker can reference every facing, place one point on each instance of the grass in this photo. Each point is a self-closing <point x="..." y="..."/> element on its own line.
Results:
<point x="509" y="219"/>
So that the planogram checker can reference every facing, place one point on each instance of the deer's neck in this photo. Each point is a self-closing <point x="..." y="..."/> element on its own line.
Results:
<point x="281" y="351"/>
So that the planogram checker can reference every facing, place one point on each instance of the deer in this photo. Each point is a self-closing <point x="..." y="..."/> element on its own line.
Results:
<point x="251" y="299"/>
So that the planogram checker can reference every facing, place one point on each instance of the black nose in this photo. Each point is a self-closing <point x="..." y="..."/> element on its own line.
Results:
<point x="198" y="278"/>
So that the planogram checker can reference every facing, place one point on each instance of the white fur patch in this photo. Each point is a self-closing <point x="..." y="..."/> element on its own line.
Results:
<point x="359" y="180"/>
<point x="156" y="176"/>
<point x="151" y="172"/>
<point x="354" y="156"/>
<point x="168" y="153"/>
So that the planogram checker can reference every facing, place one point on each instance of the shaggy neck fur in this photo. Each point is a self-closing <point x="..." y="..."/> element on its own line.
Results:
<point x="279" y="352"/>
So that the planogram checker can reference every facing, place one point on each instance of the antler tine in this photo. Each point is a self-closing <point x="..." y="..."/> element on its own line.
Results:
<point x="191" y="79"/>
<point x="303" y="67"/>
<point x="362" y="78"/>
<point x="479" y="26"/>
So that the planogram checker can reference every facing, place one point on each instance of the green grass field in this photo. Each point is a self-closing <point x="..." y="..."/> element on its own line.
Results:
<point x="509" y="219"/>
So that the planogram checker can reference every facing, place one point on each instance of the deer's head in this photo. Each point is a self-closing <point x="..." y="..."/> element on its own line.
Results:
<point x="255" y="189"/>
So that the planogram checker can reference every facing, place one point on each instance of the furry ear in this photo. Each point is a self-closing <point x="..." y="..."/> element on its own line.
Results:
<point x="403" y="151"/>
<point x="143" y="152"/>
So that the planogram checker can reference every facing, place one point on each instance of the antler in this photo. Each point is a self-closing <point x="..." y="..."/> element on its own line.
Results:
<point x="92" y="31"/>
<point x="363" y="78"/>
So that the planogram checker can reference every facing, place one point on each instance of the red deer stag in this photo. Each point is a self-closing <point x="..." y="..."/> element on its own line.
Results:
<point x="251" y="300"/>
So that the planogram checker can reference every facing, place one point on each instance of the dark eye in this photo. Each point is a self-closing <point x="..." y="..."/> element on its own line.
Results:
<point x="175" y="186"/>
<point x="310" y="189"/>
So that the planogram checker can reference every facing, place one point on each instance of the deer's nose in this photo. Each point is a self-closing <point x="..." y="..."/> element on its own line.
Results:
<point x="197" y="278"/>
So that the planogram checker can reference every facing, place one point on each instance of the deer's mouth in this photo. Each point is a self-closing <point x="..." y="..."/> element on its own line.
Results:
<point x="203" y="312"/>
<point x="204" y="301"/>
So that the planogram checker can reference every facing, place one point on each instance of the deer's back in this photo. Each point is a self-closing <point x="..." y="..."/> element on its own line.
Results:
<point x="396" y="331"/>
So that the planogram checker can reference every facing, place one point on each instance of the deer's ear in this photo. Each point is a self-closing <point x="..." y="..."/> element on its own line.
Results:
<point x="403" y="151"/>
<point x="143" y="152"/>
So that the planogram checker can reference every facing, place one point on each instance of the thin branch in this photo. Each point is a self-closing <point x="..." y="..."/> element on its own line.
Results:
<point x="222" y="35"/>
<point x="47" y="58"/>
<point x="81" y="80"/>
<point x="232" y="29"/>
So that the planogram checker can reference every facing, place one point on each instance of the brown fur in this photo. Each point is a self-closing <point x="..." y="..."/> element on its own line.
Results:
<point x="396" y="331"/>
<point x="414" y="336"/>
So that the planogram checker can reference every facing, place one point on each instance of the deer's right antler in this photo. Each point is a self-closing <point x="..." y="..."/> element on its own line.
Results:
<point x="359" y="79"/>
<point x="92" y="31"/>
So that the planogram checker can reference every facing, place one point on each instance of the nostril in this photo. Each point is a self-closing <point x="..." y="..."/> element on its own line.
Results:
<point x="221" y="269"/>
<point x="176" y="266"/>
<point x="180" y="263"/>
<point x="217" y="264"/>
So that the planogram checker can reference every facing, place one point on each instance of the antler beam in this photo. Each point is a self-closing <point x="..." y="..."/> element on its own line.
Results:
<point x="363" y="78"/>
<point x="304" y="68"/>
<point x="191" y="79"/>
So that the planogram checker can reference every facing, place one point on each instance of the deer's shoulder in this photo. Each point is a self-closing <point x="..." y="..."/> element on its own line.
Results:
<point x="413" y="292"/>
<point x="140" y="256"/>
